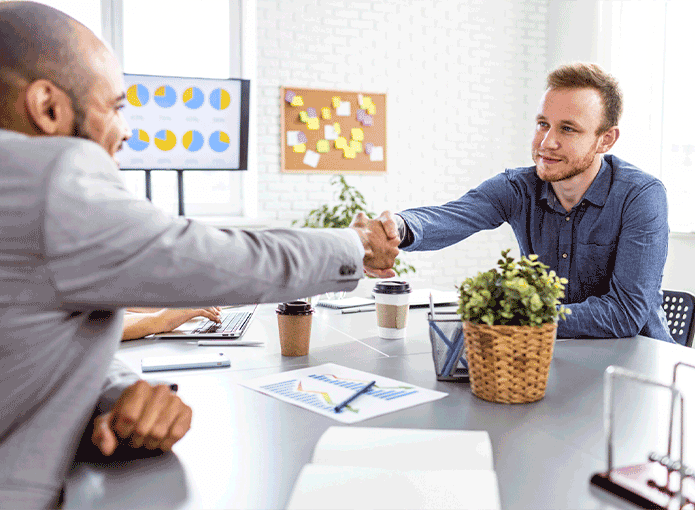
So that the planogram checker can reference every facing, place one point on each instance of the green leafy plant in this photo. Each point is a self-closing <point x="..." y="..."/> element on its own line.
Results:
<point x="520" y="293"/>
<point x="351" y="202"/>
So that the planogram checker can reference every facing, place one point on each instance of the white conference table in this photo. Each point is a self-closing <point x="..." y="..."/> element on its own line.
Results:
<point x="245" y="449"/>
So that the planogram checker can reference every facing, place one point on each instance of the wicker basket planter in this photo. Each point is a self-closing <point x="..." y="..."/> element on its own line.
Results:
<point x="509" y="364"/>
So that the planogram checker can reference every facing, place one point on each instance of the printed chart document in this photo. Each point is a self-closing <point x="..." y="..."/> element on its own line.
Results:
<point x="321" y="388"/>
<point x="380" y="468"/>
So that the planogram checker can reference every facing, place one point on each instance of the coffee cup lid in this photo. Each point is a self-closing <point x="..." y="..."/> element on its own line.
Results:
<point x="295" y="308"/>
<point x="392" y="287"/>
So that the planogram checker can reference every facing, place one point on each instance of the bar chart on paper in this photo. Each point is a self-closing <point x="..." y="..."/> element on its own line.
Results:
<point x="321" y="388"/>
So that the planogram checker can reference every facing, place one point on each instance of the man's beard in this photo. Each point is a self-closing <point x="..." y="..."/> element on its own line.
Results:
<point x="577" y="169"/>
<point x="78" y="124"/>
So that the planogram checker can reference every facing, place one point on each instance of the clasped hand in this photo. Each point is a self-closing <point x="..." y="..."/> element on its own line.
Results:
<point x="380" y="240"/>
<point x="146" y="415"/>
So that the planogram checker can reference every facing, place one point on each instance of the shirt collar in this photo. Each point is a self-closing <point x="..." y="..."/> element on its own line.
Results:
<point x="597" y="193"/>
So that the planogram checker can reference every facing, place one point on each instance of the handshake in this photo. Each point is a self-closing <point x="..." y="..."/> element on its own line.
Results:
<point x="380" y="240"/>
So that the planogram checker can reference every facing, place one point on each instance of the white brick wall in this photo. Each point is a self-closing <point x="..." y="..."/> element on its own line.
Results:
<point x="462" y="78"/>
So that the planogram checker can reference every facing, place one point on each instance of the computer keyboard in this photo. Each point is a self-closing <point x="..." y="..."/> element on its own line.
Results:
<point x="233" y="323"/>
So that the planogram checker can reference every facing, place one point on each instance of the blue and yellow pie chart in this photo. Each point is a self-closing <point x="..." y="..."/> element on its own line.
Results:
<point x="219" y="141"/>
<point x="138" y="95"/>
<point x="139" y="141"/>
<point x="165" y="140"/>
<point x="193" y="98"/>
<point x="165" y="96"/>
<point x="219" y="99"/>
<point x="192" y="141"/>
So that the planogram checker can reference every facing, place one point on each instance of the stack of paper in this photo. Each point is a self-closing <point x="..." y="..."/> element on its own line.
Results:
<point x="379" y="468"/>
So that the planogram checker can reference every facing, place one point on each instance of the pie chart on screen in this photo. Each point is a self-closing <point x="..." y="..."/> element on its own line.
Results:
<point x="139" y="141"/>
<point x="219" y="99"/>
<point x="192" y="141"/>
<point x="165" y="96"/>
<point x="219" y="141"/>
<point x="165" y="140"/>
<point x="193" y="98"/>
<point x="138" y="95"/>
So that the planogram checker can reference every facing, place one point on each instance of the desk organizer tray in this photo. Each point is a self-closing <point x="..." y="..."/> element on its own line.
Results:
<point x="448" y="347"/>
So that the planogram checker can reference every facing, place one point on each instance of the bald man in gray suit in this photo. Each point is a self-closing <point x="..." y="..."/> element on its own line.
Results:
<point x="76" y="247"/>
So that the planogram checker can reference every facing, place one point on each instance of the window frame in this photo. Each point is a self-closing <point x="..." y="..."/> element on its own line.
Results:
<point x="242" y="23"/>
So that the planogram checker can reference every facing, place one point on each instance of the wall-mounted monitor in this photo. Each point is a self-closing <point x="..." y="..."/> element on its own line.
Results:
<point x="186" y="123"/>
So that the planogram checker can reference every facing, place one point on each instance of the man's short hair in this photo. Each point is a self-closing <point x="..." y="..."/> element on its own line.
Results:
<point x="40" y="42"/>
<point x="587" y="75"/>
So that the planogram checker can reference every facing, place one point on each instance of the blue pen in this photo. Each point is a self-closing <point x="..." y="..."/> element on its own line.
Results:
<point x="364" y="390"/>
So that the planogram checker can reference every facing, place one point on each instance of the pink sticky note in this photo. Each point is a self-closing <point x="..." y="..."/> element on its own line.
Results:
<point x="289" y="95"/>
<point x="368" y="148"/>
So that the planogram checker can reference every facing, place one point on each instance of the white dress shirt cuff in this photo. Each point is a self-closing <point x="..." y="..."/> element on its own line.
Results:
<point x="357" y="241"/>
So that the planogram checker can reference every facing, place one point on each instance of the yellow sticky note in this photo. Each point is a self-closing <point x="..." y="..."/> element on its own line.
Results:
<point x="299" y="148"/>
<point x="336" y="128"/>
<point x="371" y="110"/>
<point x="357" y="134"/>
<point x="340" y="142"/>
<point x="322" y="146"/>
<point x="303" y="116"/>
<point x="349" y="153"/>
<point x="312" y="123"/>
<point x="297" y="101"/>
<point x="335" y="101"/>
<point x="356" y="146"/>
<point x="367" y="102"/>
<point x="326" y="113"/>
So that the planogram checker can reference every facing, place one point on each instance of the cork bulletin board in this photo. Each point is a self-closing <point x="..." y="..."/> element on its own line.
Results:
<point x="332" y="131"/>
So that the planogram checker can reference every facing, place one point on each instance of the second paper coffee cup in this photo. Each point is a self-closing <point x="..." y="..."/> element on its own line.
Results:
<point x="392" y="298"/>
<point x="294" y="324"/>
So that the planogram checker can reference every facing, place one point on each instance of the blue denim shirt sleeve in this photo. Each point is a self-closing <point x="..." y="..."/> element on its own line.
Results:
<point x="483" y="208"/>
<point x="634" y="285"/>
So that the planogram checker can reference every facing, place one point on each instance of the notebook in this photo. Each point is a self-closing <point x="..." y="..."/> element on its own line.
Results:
<point x="234" y="324"/>
<point x="349" y="302"/>
<point x="419" y="298"/>
<point x="380" y="468"/>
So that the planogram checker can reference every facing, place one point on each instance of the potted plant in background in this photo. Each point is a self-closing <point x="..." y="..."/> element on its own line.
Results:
<point x="510" y="318"/>
<point x="351" y="202"/>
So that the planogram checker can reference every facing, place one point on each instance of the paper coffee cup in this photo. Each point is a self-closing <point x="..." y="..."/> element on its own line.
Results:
<point x="294" y="324"/>
<point x="392" y="298"/>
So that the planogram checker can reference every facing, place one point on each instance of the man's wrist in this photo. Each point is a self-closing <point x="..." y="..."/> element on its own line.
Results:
<point x="404" y="232"/>
<point x="401" y="226"/>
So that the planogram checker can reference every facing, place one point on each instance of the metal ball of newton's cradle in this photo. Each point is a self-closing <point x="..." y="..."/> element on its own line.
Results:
<point x="675" y="465"/>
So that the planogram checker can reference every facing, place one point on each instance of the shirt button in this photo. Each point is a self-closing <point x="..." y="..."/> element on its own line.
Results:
<point x="567" y="218"/>
<point x="564" y="255"/>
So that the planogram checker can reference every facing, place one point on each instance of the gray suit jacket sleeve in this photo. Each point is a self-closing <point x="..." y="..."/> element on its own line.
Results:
<point x="106" y="248"/>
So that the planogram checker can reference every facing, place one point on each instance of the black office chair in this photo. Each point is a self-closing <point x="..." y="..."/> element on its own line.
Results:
<point x="679" y="314"/>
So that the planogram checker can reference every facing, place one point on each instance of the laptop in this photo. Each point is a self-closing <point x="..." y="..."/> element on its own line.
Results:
<point x="234" y="324"/>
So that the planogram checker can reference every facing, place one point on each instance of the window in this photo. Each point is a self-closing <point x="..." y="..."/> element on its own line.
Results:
<point x="152" y="44"/>
<point x="650" y="52"/>
<point x="147" y="37"/>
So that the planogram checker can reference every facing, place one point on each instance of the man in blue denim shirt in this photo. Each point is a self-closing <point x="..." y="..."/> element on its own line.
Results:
<point x="596" y="220"/>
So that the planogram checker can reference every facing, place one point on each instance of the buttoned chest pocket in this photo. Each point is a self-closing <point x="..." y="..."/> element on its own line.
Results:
<point x="595" y="264"/>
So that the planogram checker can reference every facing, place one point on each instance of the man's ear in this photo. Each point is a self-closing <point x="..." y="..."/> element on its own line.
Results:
<point x="608" y="139"/>
<point x="49" y="108"/>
